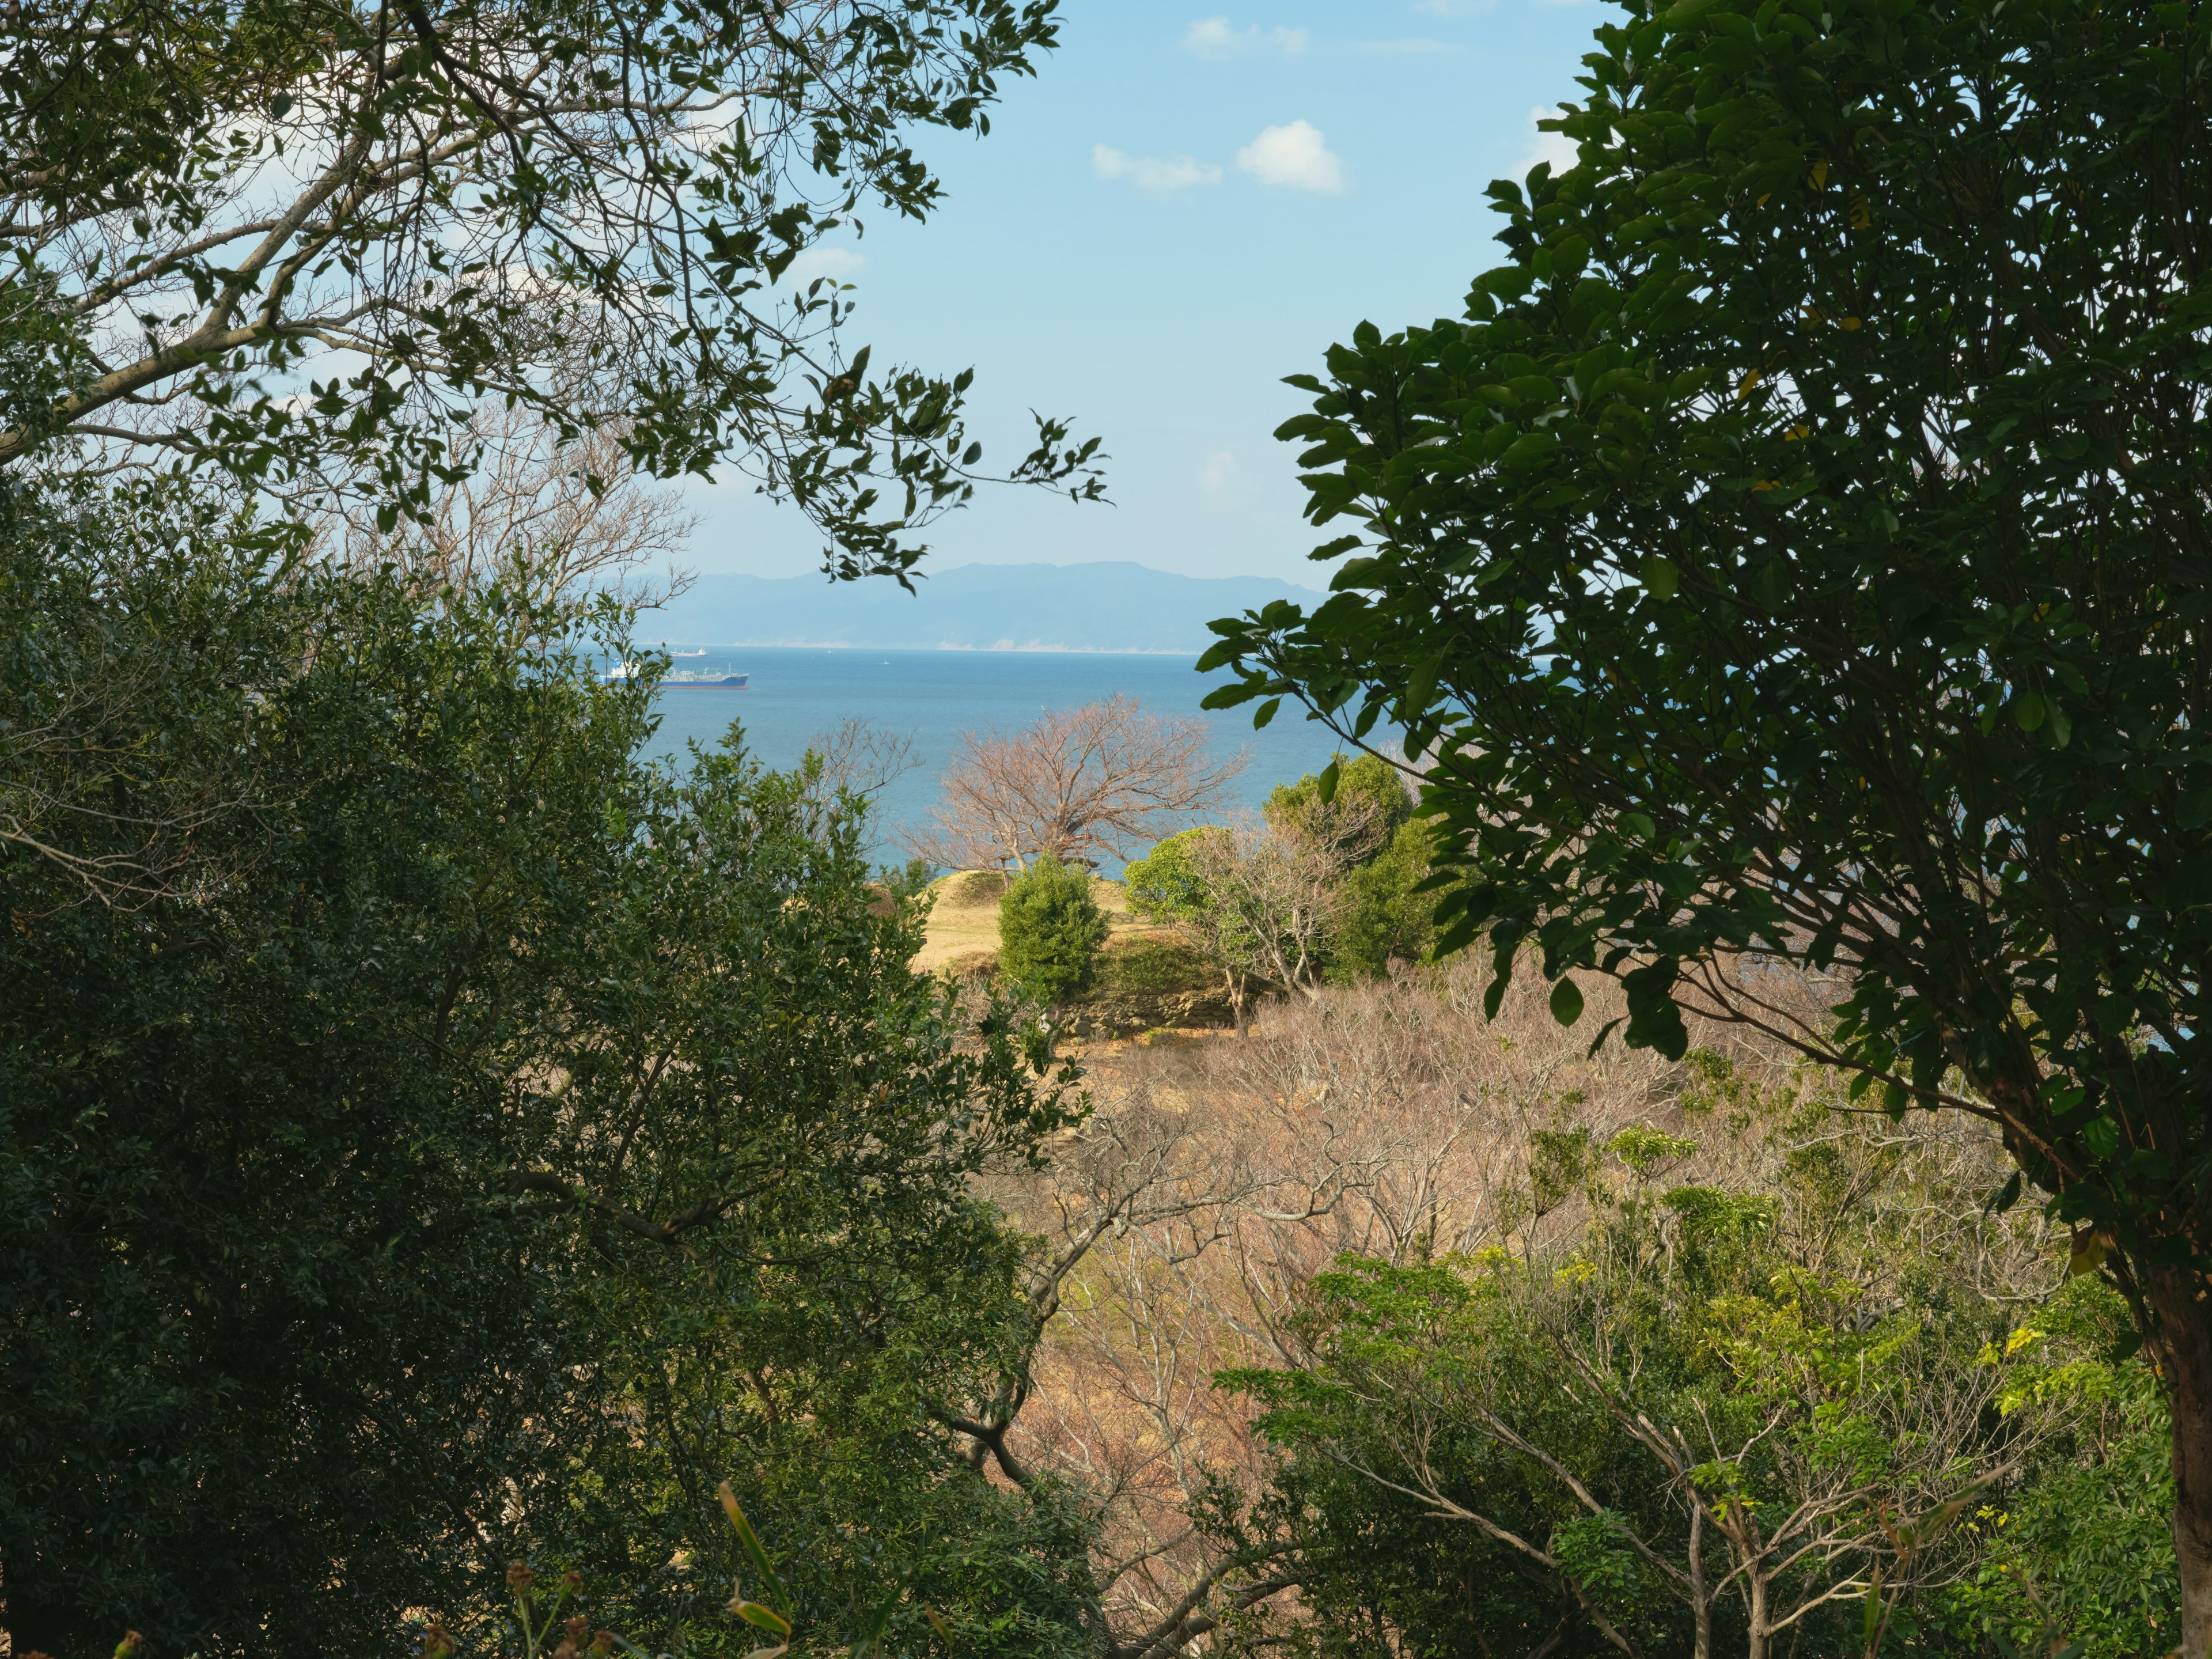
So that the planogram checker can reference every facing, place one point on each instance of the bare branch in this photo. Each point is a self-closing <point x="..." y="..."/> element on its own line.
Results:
<point x="1081" y="783"/>
<point x="552" y="518"/>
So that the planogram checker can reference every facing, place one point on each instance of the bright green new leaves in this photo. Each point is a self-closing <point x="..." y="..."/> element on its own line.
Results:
<point x="1166" y="883"/>
<point x="1798" y="1337"/>
<point x="1799" y="549"/>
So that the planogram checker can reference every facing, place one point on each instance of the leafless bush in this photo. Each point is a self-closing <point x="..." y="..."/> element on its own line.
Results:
<point x="862" y="757"/>
<point x="1103" y="779"/>
<point x="1187" y="1217"/>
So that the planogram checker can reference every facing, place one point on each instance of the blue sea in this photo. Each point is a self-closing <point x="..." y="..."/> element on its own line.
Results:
<point x="797" y="695"/>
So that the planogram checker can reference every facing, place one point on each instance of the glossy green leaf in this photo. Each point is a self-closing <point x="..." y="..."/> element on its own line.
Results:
<point x="1566" y="1002"/>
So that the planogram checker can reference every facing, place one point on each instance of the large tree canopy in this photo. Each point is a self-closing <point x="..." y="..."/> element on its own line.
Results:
<point x="1799" y="551"/>
<point x="429" y="1134"/>
<point x="296" y="241"/>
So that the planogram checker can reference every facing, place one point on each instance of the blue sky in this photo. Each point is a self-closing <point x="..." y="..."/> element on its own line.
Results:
<point x="1186" y="205"/>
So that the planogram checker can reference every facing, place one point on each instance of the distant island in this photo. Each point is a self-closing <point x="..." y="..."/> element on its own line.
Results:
<point x="1111" y="606"/>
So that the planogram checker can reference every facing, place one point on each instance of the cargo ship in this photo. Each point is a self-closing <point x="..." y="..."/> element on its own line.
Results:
<point x="628" y="671"/>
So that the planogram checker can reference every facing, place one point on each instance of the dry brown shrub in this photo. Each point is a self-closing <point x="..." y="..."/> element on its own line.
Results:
<point x="1187" y="1216"/>
<point x="1212" y="1181"/>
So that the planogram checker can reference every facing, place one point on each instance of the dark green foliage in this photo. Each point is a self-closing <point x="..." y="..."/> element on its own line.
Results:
<point x="1050" y="928"/>
<point x="259" y="1319"/>
<point x="1153" y="966"/>
<point x="1386" y="916"/>
<point x="1389" y="917"/>
<point x="1658" y="547"/>
<point x="428" y="1135"/>
<point x="1798" y="547"/>
<point x="113" y="106"/>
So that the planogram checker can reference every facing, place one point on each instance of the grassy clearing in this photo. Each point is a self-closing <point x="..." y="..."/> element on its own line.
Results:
<point x="963" y="925"/>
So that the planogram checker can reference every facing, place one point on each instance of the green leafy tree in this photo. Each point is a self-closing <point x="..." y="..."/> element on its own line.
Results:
<point x="2083" y="1549"/>
<point x="1270" y="900"/>
<point x="1386" y="914"/>
<point x="1361" y="794"/>
<point x="430" y="1135"/>
<point x="1392" y="914"/>
<point x="1166" y="884"/>
<point x="1353" y="823"/>
<point x="1784" y="1405"/>
<point x="1050" y="929"/>
<point x="1172" y="884"/>
<point x="1261" y="898"/>
<point x="298" y="242"/>
<point x="1796" y="551"/>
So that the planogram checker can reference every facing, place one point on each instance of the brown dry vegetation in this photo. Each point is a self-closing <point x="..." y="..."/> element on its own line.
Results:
<point x="1182" y="1221"/>
<point x="962" y="933"/>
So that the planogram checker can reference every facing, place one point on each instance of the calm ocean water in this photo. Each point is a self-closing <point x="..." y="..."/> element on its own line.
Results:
<point x="797" y="695"/>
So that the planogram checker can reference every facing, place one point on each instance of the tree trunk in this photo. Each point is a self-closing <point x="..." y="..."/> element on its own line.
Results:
<point x="2181" y="1344"/>
<point x="1701" y="1604"/>
<point x="1750" y="1552"/>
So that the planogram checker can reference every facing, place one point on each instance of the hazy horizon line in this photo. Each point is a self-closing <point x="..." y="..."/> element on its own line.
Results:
<point x="1003" y="647"/>
<point x="1037" y="564"/>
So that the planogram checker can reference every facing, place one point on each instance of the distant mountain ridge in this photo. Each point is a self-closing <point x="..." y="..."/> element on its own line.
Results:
<point x="1110" y="605"/>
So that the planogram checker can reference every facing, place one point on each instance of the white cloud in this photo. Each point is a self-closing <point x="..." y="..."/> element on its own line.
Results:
<point x="1217" y="38"/>
<point x="1223" y="485"/>
<point x="1211" y="37"/>
<point x="840" y="265"/>
<point x="1553" y="146"/>
<point x="1294" y="155"/>
<point x="1161" y="174"/>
